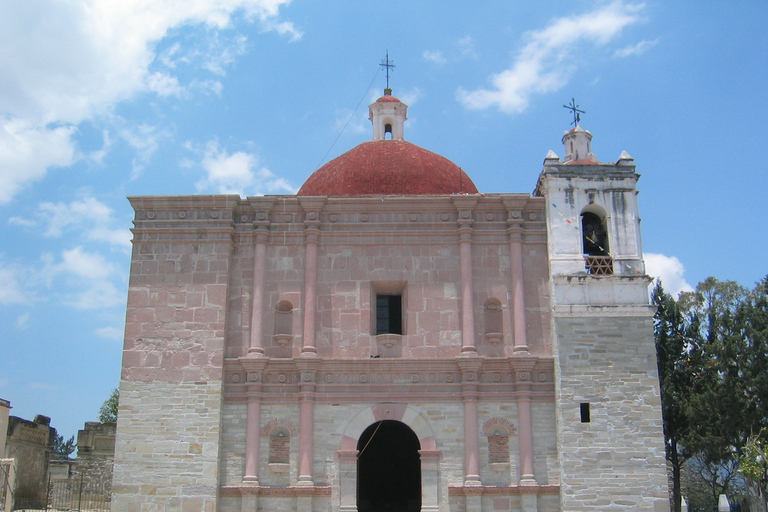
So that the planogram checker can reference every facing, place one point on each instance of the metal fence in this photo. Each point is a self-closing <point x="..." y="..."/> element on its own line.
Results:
<point x="7" y="483"/>
<point x="74" y="495"/>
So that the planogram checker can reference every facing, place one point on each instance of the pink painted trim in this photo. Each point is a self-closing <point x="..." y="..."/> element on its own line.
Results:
<point x="471" y="443"/>
<point x="306" y="437"/>
<point x="310" y="298"/>
<point x="257" y="308"/>
<point x="526" y="437"/>
<point x="252" y="441"/>
<point x="389" y="412"/>
<point x="518" y="294"/>
<point x="467" y="310"/>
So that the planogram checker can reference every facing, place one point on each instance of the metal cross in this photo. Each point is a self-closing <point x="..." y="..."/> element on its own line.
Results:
<point x="574" y="108"/>
<point x="386" y="63"/>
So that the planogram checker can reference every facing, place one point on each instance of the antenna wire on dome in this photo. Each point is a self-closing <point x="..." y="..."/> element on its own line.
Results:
<point x="348" y="121"/>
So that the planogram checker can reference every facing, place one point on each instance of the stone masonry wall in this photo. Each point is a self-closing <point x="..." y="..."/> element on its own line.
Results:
<point x="29" y="442"/>
<point x="169" y="417"/>
<point x="446" y="420"/>
<point x="616" y="461"/>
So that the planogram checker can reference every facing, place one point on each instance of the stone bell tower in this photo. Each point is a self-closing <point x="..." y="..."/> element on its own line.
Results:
<point x="609" y="427"/>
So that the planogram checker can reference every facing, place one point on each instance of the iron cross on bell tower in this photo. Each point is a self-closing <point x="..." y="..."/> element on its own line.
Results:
<point x="387" y="64"/>
<point x="574" y="108"/>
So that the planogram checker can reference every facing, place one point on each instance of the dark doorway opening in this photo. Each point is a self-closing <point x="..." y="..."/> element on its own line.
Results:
<point x="388" y="469"/>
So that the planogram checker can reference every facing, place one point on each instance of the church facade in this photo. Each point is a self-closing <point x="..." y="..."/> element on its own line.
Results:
<point x="391" y="339"/>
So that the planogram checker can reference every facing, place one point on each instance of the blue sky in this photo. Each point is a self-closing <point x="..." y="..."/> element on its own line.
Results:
<point x="100" y="100"/>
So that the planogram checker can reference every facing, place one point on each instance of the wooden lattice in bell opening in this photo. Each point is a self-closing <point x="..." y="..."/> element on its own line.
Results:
<point x="599" y="265"/>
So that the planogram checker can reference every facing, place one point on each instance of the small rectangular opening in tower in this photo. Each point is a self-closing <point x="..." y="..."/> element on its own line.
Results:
<point x="584" y="407"/>
<point x="389" y="314"/>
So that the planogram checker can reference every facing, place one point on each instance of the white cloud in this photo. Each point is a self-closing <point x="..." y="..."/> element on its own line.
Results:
<point x="237" y="173"/>
<point x="224" y="55"/>
<point x="59" y="216"/>
<point x="22" y="321"/>
<point x="346" y="120"/>
<point x="164" y="84"/>
<point x="84" y="264"/>
<point x="13" y="287"/>
<point x="27" y="151"/>
<point x="112" y="333"/>
<point x="411" y="96"/>
<point x="43" y="386"/>
<point x="635" y="49"/>
<point x="545" y="63"/>
<point x="88" y="215"/>
<point x="670" y="270"/>
<point x="66" y="62"/>
<point x="145" y="140"/>
<point x="434" y="56"/>
<point x="467" y="47"/>
<point x="83" y="278"/>
<point x="99" y="295"/>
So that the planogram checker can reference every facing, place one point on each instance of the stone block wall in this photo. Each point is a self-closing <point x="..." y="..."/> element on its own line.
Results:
<point x="332" y="420"/>
<point x="29" y="442"/>
<point x="169" y="419"/>
<point x="616" y="460"/>
<point x="95" y="455"/>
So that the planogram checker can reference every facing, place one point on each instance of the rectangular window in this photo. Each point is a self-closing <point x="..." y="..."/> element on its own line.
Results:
<point x="584" y="412"/>
<point x="389" y="314"/>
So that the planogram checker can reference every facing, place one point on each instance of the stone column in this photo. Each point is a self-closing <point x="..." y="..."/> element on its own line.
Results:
<point x="310" y="291"/>
<point x="252" y="441"/>
<point x="515" y="231"/>
<point x="254" y="370"/>
<point x="430" y="463"/>
<point x="306" y="437"/>
<point x="308" y="367"/>
<point x="311" y="208"/>
<point x="256" y="348"/>
<point x="348" y="480"/>
<point x="464" y="205"/>
<point x="525" y="423"/>
<point x="469" y="369"/>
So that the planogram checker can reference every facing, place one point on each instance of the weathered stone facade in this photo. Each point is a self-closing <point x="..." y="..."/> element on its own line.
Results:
<point x="96" y="454"/>
<point x="29" y="443"/>
<point x="268" y="339"/>
<point x="87" y="480"/>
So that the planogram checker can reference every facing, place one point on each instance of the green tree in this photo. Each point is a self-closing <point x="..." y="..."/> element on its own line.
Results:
<point x="108" y="410"/>
<point x="729" y="403"/>
<point x="754" y="467"/>
<point x="704" y="482"/>
<point x="714" y="402"/>
<point x="61" y="449"/>
<point x="676" y="341"/>
<point x="750" y="374"/>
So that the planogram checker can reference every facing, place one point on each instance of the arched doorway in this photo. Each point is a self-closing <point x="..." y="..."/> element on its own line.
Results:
<point x="388" y="469"/>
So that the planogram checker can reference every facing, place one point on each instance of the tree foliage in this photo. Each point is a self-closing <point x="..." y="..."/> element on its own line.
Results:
<point x="712" y="347"/>
<point x="108" y="410"/>
<point x="61" y="449"/>
<point x="675" y="338"/>
<point x="754" y="466"/>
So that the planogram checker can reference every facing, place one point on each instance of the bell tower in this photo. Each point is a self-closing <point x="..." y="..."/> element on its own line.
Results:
<point x="607" y="400"/>
<point x="388" y="115"/>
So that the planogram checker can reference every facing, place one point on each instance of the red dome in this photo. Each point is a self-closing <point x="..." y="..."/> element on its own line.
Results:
<point x="387" y="98"/>
<point x="388" y="167"/>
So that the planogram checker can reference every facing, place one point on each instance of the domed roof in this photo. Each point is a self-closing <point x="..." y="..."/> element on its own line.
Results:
<point x="388" y="167"/>
<point x="388" y="98"/>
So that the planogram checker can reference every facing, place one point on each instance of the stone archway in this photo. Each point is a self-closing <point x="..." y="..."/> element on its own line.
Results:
<point x="355" y="429"/>
<point x="388" y="469"/>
